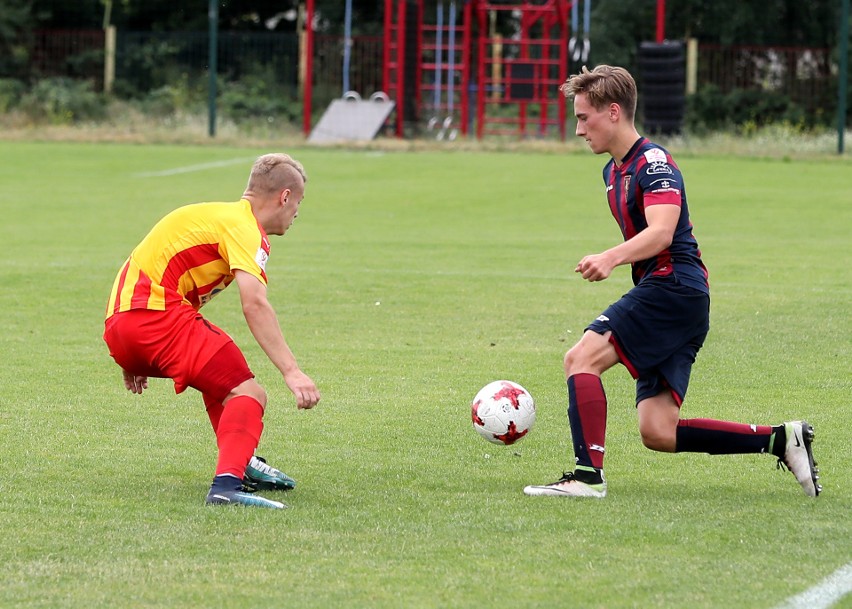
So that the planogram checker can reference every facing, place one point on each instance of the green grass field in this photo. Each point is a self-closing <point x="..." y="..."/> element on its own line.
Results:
<point x="409" y="280"/>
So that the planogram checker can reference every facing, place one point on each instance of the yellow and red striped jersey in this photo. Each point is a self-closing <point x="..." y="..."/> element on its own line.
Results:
<point x="190" y="256"/>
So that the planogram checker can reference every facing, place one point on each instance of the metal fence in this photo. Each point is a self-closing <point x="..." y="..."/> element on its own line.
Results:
<point x="365" y="68"/>
<point x="801" y="73"/>
<point x="147" y="60"/>
<point x="72" y="53"/>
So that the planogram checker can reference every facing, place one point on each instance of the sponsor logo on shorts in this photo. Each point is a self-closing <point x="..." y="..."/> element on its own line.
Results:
<point x="602" y="318"/>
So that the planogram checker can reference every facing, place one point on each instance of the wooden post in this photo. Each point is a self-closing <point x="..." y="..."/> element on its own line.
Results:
<point x="691" y="66"/>
<point x="497" y="66"/>
<point x="109" y="58"/>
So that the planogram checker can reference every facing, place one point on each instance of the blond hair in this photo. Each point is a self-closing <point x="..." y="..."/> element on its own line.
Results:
<point x="276" y="171"/>
<point x="602" y="86"/>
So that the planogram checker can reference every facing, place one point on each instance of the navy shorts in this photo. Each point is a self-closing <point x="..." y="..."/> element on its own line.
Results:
<point x="657" y="329"/>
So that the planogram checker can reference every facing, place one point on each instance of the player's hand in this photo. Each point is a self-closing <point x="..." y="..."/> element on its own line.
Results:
<point x="134" y="383"/>
<point x="595" y="267"/>
<point x="306" y="392"/>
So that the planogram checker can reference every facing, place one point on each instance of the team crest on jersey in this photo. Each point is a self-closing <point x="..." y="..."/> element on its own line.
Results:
<point x="261" y="257"/>
<point x="657" y="162"/>
<point x="655" y="156"/>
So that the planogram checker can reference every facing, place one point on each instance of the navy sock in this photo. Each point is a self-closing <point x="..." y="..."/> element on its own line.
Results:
<point x="225" y="483"/>
<point x="724" y="437"/>
<point x="589" y="475"/>
<point x="778" y="441"/>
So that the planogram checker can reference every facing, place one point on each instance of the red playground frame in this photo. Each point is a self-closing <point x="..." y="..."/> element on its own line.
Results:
<point x="442" y="68"/>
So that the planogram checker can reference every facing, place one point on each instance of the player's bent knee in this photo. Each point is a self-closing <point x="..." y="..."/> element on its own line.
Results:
<point x="581" y="358"/>
<point x="655" y="438"/>
<point x="593" y="354"/>
<point x="252" y="389"/>
<point x="572" y="362"/>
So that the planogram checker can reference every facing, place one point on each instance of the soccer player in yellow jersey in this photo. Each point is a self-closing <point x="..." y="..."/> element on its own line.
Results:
<point x="153" y="326"/>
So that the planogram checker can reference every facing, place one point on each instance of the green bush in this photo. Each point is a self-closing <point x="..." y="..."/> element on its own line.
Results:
<point x="710" y="109"/>
<point x="11" y="91"/>
<point x="63" y="101"/>
<point x="180" y="94"/>
<point x="256" y="96"/>
<point x="142" y="68"/>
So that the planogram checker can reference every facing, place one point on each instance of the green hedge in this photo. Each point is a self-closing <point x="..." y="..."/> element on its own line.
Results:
<point x="712" y="110"/>
<point x="63" y="101"/>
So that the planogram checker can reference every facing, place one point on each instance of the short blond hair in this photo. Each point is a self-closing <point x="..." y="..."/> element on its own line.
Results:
<point x="276" y="171"/>
<point x="602" y="86"/>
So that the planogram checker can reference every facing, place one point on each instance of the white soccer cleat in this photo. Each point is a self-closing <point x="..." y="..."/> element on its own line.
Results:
<point x="799" y="458"/>
<point x="569" y="486"/>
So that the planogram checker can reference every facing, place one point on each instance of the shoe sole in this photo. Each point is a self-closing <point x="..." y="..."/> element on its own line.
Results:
<point x="808" y="438"/>
<point x="545" y="491"/>
<point x="253" y="502"/>
<point x="261" y="485"/>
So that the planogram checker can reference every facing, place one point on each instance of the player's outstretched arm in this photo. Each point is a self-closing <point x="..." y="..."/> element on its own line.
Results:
<point x="263" y="323"/>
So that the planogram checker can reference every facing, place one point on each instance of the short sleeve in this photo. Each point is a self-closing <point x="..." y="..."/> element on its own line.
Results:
<point x="246" y="249"/>
<point x="660" y="179"/>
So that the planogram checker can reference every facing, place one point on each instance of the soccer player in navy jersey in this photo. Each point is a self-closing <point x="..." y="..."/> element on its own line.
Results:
<point x="657" y="328"/>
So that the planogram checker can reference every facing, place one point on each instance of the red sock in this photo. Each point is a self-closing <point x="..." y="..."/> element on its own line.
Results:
<point x="238" y="434"/>
<point x="587" y="418"/>
<point x="214" y="410"/>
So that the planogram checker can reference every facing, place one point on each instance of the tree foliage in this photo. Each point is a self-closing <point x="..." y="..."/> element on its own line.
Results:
<point x="768" y="22"/>
<point x="185" y="15"/>
<point x="615" y="23"/>
<point x="15" y="23"/>
<point x="618" y="27"/>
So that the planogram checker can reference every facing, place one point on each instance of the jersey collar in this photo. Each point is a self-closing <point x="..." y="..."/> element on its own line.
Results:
<point x="633" y="150"/>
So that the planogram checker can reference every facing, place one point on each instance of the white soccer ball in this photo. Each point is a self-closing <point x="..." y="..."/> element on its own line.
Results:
<point x="503" y="412"/>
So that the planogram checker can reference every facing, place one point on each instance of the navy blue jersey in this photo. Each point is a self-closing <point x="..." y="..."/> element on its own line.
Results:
<point x="649" y="176"/>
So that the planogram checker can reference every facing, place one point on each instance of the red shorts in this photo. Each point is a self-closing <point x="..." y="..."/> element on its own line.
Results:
<point x="178" y="344"/>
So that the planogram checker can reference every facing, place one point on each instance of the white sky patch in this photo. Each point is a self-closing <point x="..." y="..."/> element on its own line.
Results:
<point x="824" y="594"/>
<point x="192" y="168"/>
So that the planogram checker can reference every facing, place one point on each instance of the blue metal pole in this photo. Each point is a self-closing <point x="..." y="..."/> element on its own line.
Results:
<point x="439" y="42"/>
<point x="347" y="45"/>
<point x="451" y="61"/>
